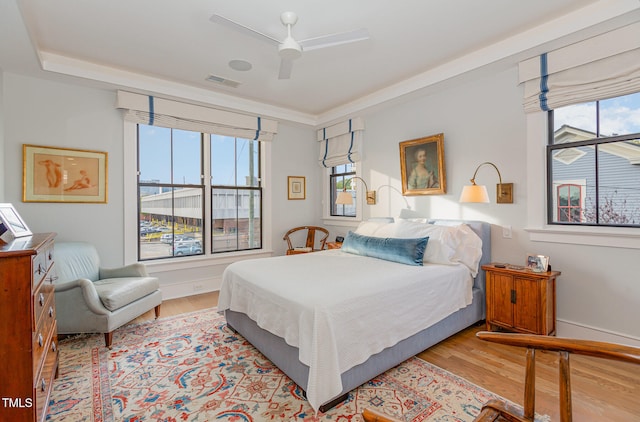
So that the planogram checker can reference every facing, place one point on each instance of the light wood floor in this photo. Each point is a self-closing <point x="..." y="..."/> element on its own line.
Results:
<point x="602" y="390"/>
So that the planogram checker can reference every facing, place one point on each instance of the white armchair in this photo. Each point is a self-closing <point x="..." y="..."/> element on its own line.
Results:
<point x="91" y="299"/>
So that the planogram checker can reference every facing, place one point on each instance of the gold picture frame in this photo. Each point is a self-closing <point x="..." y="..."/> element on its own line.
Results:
<point x="296" y="187"/>
<point x="51" y="174"/>
<point x="422" y="166"/>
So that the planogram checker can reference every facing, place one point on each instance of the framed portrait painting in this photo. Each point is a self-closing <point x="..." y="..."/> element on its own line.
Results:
<point x="422" y="166"/>
<point x="63" y="175"/>
<point x="296" y="188"/>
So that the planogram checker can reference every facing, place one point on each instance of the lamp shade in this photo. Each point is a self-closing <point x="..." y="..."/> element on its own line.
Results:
<point x="344" y="198"/>
<point x="474" y="193"/>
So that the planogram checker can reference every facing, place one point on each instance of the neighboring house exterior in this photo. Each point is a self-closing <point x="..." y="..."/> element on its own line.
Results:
<point x="573" y="172"/>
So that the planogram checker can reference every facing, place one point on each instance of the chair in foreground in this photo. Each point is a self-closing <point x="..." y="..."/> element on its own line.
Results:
<point x="91" y="299"/>
<point x="310" y="244"/>
<point x="496" y="410"/>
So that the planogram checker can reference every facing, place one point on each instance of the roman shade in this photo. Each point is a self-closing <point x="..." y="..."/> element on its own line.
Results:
<point x="604" y="66"/>
<point x="155" y="111"/>
<point x="341" y="143"/>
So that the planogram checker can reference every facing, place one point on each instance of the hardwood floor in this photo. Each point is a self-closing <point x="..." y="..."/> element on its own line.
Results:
<point x="602" y="390"/>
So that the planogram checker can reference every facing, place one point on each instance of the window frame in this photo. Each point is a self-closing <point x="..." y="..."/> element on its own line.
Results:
<point x="326" y="205"/>
<point x="596" y="141"/>
<point x="537" y="135"/>
<point x="333" y="180"/>
<point x="131" y="218"/>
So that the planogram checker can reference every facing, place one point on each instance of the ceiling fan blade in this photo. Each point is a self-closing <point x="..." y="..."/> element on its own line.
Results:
<point x="244" y="29"/>
<point x="334" y="39"/>
<point x="286" y="66"/>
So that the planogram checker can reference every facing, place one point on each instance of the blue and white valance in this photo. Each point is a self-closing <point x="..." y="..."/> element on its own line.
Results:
<point x="157" y="111"/>
<point x="604" y="66"/>
<point x="341" y="143"/>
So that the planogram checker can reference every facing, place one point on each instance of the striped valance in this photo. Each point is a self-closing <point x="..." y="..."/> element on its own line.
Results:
<point x="156" y="111"/>
<point x="604" y="66"/>
<point x="341" y="143"/>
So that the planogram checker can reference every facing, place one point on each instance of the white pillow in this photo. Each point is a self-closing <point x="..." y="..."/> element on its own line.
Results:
<point x="448" y="244"/>
<point x="368" y="228"/>
<point x="469" y="248"/>
<point x="440" y="247"/>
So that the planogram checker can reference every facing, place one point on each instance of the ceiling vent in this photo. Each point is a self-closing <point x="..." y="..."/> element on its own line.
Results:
<point x="222" y="81"/>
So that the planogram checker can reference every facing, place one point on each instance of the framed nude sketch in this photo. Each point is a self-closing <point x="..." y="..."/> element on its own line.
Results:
<point x="422" y="166"/>
<point x="63" y="175"/>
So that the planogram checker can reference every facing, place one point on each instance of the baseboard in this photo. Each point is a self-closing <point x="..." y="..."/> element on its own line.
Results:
<point x="575" y="330"/>
<point x="190" y="288"/>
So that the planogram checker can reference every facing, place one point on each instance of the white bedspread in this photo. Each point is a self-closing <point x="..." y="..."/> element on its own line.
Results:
<point x="339" y="308"/>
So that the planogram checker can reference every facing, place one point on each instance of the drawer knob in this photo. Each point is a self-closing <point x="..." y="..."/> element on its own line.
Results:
<point x="43" y="385"/>
<point x="41" y="299"/>
<point x="40" y="340"/>
<point x="50" y="311"/>
<point x="53" y="346"/>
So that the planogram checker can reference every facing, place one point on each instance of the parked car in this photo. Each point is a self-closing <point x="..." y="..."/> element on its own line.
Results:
<point x="167" y="238"/>
<point x="187" y="249"/>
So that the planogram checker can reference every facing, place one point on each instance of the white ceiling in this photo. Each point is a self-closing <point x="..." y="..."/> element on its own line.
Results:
<point x="169" y="47"/>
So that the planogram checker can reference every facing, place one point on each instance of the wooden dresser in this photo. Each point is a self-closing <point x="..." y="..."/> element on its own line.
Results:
<point x="28" y="331"/>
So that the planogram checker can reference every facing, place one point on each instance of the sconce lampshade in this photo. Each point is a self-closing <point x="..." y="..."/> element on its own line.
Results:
<point x="344" y="198"/>
<point x="474" y="193"/>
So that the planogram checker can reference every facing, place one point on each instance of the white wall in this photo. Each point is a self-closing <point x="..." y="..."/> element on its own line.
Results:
<point x="598" y="292"/>
<point x="65" y="115"/>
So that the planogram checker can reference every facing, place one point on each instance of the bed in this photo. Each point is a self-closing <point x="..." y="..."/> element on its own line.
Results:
<point x="333" y="320"/>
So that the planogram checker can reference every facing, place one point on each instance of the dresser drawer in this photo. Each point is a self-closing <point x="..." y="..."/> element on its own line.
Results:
<point x="39" y="266"/>
<point x="44" y="337"/>
<point x="44" y="381"/>
<point x="43" y="303"/>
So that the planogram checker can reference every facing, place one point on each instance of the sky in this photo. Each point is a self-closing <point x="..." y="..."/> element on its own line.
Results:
<point x="155" y="157"/>
<point x="620" y="115"/>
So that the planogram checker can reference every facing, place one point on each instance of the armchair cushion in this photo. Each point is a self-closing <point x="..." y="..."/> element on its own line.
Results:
<point x="115" y="293"/>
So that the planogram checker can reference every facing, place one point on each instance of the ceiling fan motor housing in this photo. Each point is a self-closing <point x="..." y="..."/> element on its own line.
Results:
<point x="289" y="49"/>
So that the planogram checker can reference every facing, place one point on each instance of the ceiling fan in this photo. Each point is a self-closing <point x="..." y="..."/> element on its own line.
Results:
<point x="289" y="49"/>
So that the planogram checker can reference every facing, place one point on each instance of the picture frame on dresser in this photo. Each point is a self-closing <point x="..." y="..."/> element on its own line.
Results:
<point x="11" y="224"/>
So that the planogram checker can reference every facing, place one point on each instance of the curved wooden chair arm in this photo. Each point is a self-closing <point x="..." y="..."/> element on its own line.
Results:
<point x="370" y="415"/>
<point x="497" y="410"/>
<point x="311" y="234"/>
<point x="596" y="349"/>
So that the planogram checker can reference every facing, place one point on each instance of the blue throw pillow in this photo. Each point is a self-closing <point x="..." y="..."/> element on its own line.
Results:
<point x="404" y="251"/>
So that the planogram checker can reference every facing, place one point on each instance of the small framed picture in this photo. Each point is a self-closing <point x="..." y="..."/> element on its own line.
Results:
<point x="537" y="263"/>
<point x="296" y="189"/>
<point x="10" y="221"/>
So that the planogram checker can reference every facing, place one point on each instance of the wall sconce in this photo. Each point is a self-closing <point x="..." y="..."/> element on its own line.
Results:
<point x="478" y="193"/>
<point x="397" y="190"/>
<point x="345" y="198"/>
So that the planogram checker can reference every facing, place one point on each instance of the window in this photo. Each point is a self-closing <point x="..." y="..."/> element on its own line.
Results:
<point x="236" y="196"/>
<point x="173" y="170"/>
<point x="593" y="163"/>
<point x="341" y="178"/>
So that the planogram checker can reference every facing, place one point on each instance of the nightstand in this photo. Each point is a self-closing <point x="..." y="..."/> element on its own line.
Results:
<point x="521" y="300"/>
<point x="334" y="245"/>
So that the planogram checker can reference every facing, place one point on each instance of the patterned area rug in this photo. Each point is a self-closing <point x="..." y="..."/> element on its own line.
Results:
<point x="193" y="368"/>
